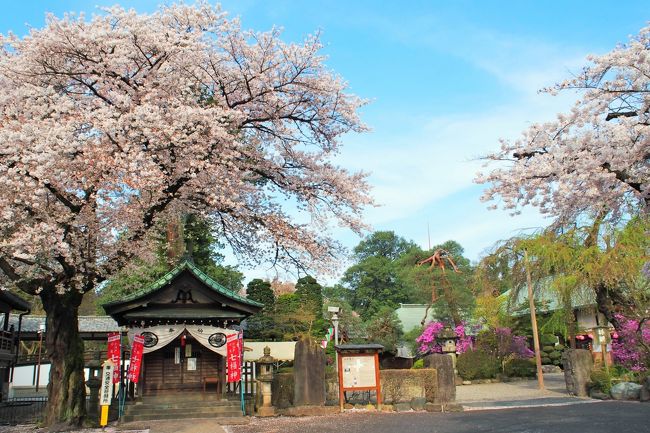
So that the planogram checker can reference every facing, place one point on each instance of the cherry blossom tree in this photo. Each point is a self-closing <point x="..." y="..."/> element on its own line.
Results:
<point x="591" y="166"/>
<point x="595" y="157"/>
<point x="112" y="124"/>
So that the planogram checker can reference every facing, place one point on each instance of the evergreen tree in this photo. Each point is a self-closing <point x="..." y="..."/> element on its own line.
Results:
<point x="310" y="293"/>
<point x="261" y="325"/>
<point x="373" y="281"/>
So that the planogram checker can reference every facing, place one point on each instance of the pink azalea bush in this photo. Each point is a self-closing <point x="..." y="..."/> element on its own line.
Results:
<point x="427" y="340"/>
<point x="501" y="342"/>
<point x="626" y="348"/>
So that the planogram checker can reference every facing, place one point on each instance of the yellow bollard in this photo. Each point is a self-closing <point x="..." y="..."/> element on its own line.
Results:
<point x="104" y="416"/>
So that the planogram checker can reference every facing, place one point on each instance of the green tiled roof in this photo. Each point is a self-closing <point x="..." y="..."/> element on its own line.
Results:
<point x="198" y="273"/>
<point x="581" y="298"/>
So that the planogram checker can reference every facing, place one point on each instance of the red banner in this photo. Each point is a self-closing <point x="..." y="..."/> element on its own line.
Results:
<point x="233" y="354"/>
<point x="136" y="358"/>
<point x="114" y="353"/>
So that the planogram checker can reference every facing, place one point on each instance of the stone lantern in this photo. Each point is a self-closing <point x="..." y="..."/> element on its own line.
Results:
<point x="266" y="378"/>
<point x="447" y="339"/>
<point x="94" y="383"/>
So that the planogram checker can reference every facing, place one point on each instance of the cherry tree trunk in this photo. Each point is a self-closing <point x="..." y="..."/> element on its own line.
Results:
<point x="606" y="302"/>
<point x="66" y="406"/>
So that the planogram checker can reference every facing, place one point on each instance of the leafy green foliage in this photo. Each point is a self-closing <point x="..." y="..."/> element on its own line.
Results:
<point x="373" y="283"/>
<point x="418" y="364"/>
<point x="261" y="291"/>
<point x="386" y="274"/>
<point x="291" y="319"/>
<point x="261" y="325"/>
<point x="477" y="364"/>
<point x="601" y="379"/>
<point x="596" y="260"/>
<point x="198" y="239"/>
<point x="518" y="367"/>
<point x="385" y="328"/>
<point x="449" y="292"/>
<point x="311" y="295"/>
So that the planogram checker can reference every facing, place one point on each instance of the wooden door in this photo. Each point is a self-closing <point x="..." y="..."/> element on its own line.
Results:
<point x="165" y="371"/>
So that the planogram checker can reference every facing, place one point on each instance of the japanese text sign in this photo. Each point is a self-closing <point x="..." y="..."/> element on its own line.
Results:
<point x="106" y="391"/>
<point x="136" y="358"/>
<point x="114" y="342"/>
<point x="233" y="355"/>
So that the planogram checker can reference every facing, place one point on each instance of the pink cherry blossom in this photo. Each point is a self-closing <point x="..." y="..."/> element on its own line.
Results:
<point x="110" y="125"/>
<point x="595" y="157"/>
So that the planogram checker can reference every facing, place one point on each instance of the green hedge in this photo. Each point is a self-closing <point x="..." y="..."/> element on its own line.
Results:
<point x="397" y="385"/>
<point x="477" y="364"/>
<point x="518" y="367"/>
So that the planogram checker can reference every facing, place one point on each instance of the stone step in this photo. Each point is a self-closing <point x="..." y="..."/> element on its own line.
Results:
<point x="183" y="403"/>
<point x="166" y="415"/>
<point x="187" y="396"/>
<point x="184" y="412"/>
<point x="181" y="406"/>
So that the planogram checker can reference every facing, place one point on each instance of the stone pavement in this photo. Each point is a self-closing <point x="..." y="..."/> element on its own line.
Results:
<point x="175" y="426"/>
<point x="516" y="394"/>
<point x="162" y="426"/>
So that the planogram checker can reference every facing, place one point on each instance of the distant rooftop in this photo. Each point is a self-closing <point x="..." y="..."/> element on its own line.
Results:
<point x="87" y="324"/>
<point x="411" y="315"/>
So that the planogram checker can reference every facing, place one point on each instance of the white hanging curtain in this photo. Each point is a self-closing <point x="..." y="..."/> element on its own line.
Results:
<point x="211" y="337"/>
<point x="157" y="337"/>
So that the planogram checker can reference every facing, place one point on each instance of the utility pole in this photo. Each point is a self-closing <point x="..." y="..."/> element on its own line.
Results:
<point x="533" y="320"/>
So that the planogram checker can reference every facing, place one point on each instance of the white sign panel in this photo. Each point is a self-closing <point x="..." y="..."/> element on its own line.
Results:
<point x="358" y="371"/>
<point x="106" y="391"/>
<point x="191" y="364"/>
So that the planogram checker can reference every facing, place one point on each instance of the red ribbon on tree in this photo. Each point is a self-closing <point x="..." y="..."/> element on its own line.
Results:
<point x="114" y="353"/>
<point x="136" y="358"/>
<point x="233" y="355"/>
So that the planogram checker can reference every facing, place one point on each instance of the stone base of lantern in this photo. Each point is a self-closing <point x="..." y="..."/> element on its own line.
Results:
<point x="266" y="411"/>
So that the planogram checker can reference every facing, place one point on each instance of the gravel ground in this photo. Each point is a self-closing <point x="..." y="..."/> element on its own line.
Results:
<point x="520" y="390"/>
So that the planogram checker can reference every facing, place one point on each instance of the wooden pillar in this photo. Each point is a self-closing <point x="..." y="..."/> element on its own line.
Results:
<point x="378" y="381"/>
<point x="340" y="371"/>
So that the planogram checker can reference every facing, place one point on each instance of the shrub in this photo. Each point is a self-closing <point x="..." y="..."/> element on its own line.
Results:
<point x="502" y="343"/>
<point x="477" y="364"/>
<point x="519" y="367"/>
<point x="418" y="364"/>
<point x="602" y="380"/>
<point x="630" y="345"/>
<point x="547" y="340"/>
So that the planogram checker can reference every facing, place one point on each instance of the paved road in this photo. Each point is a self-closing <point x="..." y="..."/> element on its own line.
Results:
<point x="599" y="417"/>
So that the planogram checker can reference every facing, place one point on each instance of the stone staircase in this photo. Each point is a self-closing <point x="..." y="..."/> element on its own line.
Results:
<point x="181" y="405"/>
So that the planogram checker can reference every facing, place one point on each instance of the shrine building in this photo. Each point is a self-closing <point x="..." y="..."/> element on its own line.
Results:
<point x="185" y="318"/>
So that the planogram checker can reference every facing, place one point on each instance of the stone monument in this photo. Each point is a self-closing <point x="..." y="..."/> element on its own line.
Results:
<point x="578" y="365"/>
<point x="309" y="374"/>
<point x="444" y="364"/>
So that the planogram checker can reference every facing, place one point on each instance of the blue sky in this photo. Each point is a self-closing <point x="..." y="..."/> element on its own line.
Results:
<point x="446" y="80"/>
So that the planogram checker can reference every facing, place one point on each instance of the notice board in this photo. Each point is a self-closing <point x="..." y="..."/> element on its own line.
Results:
<point x="358" y="371"/>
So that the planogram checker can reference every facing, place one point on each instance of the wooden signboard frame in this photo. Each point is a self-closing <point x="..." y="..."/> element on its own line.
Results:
<point x="346" y="375"/>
